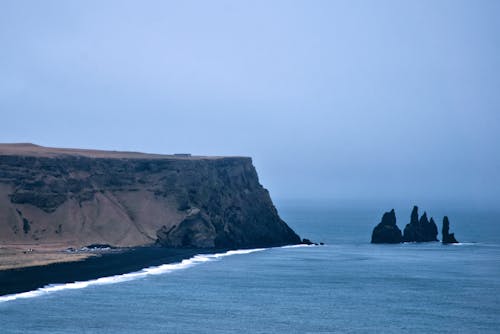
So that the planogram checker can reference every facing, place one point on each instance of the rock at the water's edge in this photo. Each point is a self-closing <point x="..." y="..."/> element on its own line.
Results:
<point x="387" y="232"/>
<point x="309" y="242"/>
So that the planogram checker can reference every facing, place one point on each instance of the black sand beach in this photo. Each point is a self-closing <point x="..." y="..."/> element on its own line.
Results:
<point x="109" y="264"/>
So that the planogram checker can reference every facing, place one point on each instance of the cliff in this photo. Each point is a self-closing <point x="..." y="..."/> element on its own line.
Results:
<point x="73" y="198"/>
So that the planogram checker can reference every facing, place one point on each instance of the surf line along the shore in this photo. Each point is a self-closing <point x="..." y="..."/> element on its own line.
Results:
<point x="155" y="270"/>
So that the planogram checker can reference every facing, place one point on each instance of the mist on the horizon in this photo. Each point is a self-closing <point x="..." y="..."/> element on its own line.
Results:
<point x="332" y="99"/>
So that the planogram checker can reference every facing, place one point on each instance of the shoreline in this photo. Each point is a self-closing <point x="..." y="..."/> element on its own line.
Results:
<point x="19" y="280"/>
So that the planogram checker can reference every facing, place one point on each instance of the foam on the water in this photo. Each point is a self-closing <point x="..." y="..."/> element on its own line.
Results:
<point x="297" y="246"/>
<point x="157" y="270"/>
<point x="463" y="244"/>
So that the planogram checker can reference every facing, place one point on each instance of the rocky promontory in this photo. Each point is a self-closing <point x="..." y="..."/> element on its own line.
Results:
<point x="72" y="198"/>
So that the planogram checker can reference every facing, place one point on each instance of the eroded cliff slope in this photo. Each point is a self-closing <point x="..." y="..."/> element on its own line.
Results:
<point x="81" y="197"/>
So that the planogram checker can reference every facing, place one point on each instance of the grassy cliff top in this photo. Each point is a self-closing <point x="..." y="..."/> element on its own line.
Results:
<point x="28" y="149"/>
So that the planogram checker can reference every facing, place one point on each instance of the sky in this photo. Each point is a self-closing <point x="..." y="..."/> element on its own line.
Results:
<point x="340" y="100"/>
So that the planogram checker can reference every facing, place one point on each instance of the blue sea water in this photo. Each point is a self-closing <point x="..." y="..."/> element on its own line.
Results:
<point x="346" y="286"/>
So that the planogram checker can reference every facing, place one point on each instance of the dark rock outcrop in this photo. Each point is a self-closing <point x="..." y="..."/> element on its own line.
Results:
<point x="448" y="238"/>
<point x="309" y="242"/>
<point x="420" y="230"/>
<point x="194" y="231"/>
<point x="431" y="230"/>
<point x="387" y="232"/>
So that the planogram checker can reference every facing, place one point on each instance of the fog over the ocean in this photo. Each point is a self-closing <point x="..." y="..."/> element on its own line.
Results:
<point x="387" y="100"/>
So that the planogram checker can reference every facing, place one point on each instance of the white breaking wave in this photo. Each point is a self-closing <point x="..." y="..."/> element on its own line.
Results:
<point x="463" y="244"/>
<point x="157" y="270"/>
<point x="298" y="246"/>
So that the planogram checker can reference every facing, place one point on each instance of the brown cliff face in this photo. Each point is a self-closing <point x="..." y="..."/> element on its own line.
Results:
<point x="82" y="197"/>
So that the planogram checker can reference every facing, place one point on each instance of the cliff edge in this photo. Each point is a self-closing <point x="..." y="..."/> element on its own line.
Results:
<point x="73" y="198"/>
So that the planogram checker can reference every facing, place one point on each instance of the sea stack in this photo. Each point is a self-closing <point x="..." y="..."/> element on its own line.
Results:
<point x="420" y="230"/>
<point x="387" y="232"/>
<point x="448" y="238"/>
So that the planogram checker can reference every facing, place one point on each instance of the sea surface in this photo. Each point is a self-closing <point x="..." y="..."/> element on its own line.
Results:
<point x="345" y="286"/>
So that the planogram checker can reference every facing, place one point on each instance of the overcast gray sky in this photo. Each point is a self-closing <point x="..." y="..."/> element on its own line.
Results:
<point x="332" y="99"/>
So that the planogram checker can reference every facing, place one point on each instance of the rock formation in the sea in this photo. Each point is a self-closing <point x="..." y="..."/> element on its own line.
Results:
<point x="387" y="232"/>
<point x="75" y="198"/>
<point x="432" y="230"/>
<point x="420" y="230"/>
<point x="448" y="238"/>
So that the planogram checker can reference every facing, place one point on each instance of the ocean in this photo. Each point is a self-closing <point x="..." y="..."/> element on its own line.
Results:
<point x="346" y="286"/>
